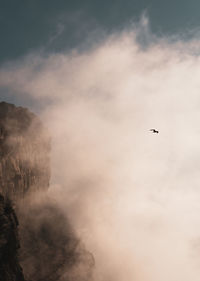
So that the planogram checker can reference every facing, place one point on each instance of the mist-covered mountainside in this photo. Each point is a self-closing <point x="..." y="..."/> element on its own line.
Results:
<point x="24" y="152"/>
<point x="46" y="247"/>
<point x="10" y="270"/>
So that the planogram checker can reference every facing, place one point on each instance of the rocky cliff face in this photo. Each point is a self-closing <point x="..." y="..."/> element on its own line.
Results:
<point x="24" y="152"/>
<point x="24" y="168"/>
<point x="10" y="270"/>
<point x="50" y="249"/>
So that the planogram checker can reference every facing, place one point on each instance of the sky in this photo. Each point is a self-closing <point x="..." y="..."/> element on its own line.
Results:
<point x="53" y="26"/>
<point x="100" y="76"/>
<point x="50" y="27"/>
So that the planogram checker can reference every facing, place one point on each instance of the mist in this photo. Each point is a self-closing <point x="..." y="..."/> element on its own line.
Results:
<point x="50" y="248"/>
<point x="132" y="196"/>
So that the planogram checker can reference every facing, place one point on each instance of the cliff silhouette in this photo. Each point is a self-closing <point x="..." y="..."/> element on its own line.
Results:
<point x="24" y="152"/>
<point x="10" y="269"/>
<point x="37" y="241"/>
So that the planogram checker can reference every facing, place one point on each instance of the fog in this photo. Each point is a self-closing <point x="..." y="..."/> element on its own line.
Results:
<point x="131" y="195"/>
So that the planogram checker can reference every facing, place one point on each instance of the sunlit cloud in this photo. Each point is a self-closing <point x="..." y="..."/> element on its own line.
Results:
<point x="133" y="196"/>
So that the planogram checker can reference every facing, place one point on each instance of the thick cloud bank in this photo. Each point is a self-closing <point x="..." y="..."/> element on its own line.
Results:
<point x="132" y="196"/>
<point x="50" y="249"/>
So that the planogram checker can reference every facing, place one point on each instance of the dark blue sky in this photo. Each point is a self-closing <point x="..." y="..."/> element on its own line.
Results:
<point x="57" y="25"/>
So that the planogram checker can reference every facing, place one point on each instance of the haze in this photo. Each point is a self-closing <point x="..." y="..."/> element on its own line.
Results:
<point x="132" y="196"/>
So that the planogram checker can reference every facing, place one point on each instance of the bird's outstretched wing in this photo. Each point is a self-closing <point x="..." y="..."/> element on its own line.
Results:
<point x="154" y="131"/>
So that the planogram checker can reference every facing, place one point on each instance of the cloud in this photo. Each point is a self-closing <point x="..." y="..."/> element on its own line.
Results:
<point x="50" y="249"/>
<point x="131" y="195"/>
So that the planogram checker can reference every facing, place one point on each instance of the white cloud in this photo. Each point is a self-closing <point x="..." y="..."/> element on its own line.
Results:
<point x="133" y="196"/>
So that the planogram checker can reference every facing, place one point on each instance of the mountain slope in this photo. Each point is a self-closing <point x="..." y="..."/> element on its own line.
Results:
<point x="10" y="270"/>
<point x="24" y="152"/>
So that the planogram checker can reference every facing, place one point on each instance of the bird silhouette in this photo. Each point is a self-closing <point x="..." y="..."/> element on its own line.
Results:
<point x="154" y="131"/>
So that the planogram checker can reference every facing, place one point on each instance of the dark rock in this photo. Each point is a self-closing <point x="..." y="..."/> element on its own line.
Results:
<point x="24" y="152"/>
<point x="50" y="249"/>
<point x="10" y="270"/>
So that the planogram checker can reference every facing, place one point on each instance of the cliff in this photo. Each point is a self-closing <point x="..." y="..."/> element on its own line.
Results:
<point x="24" y="152"/>
<point x="50" y="249"/>
<point x="10" y="270"/>
<point x="24" y="168"/>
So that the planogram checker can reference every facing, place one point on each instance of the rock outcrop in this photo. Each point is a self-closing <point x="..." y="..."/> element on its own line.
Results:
<point x="10" y="270"/>
<point x="24" y="168"/>
<point x="50" y="249"/>
<point x="24" y="152"/>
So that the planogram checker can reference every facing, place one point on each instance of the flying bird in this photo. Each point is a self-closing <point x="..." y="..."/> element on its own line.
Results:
<point x="154" y="131"/>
